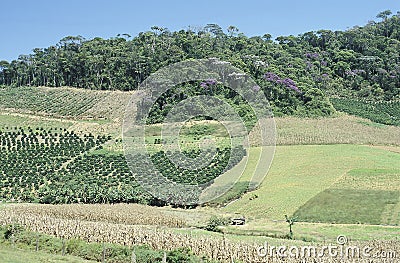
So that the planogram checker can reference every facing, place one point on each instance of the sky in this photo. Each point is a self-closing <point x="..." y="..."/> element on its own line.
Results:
<point x="26" y="25"/>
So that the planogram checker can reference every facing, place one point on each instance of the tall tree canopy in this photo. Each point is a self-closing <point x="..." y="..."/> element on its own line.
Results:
<point x="362" y="62"/>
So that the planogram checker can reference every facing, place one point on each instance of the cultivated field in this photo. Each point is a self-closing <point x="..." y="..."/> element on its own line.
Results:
<point x="343" y="129"/>
<point x="339" y="175"/>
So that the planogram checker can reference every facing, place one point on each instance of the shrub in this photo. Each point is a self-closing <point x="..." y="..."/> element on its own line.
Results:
<point x="215" y="222"/>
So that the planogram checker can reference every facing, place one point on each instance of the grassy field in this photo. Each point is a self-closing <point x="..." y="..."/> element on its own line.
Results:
<point x="347" y="206"/>
<point x="367" y="196"/>
<point x="9" y="254"/>
<point x="299" y="186"/>
<point x="8" y="120"/>
<point x="298" y="173"/>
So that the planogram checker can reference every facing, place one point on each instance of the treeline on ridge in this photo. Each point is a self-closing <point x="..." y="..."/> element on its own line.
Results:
<point x="297" y="73"/>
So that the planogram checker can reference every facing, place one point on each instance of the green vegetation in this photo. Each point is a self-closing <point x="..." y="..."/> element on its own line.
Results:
<point x="215" y="222"/>
<point x="237" y="190"/>
<point x="40" y="165"/>
<point x="94" y="178"/>
<point x="276" y="231"/>
<point x="320" y="175"/>
<point x="290" y="221"/>
<point x="9" y="254"/>
<point x="348" y="206"/>
<point x="50" y="101"/>
<point x="77" y="250"/>
<point x="9" y="120"/>
<point x="62" y="104"/>
<point x="370" y="179"/>
<point x="366" y="196"/>
<point x="386" y="112"/>
<point x="223" y="160"/>
<point x="359" y="62"/>
<point x="156" y="109"/>
<point x="312" y="169"/>
<point x="342" y="129"/>
<point x="58" y="166"/>
<point x="198" y="130"/>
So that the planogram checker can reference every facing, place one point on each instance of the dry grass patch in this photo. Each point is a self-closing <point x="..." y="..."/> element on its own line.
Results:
<point x="343" y="129"/>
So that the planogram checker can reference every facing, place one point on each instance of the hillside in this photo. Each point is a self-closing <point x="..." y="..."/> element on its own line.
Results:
<point x="105" y="113"/>
<point x="88" y="136"/>
<point x="315" y="157"/>
<point x="296" y="73"/>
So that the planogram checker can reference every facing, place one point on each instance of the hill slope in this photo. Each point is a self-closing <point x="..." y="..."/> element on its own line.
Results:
<point x="361" y="62"/>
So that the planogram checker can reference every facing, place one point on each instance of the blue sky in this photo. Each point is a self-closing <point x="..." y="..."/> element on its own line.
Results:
<point x="41" y="23"/>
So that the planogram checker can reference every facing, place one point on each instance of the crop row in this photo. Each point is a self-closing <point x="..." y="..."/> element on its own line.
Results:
<point x="127" y="214"/>
<point x="48" y="101"/>
<point x="51" y="166"/>
<point x="223" y="160"/>
<point x="385" y="112"/>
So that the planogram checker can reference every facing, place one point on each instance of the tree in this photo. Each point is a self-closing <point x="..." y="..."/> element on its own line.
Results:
<point x="291" y="222"/>
<point x="215" y="29"/>
<point x="384" y="15"/>
<point x="232" y="30"/>
<point x="123" y="62"/>
<point x="3" y="68"/>
<point x="267" y="37"/>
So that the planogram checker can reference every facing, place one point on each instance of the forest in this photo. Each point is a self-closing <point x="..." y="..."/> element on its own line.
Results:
<point x="297" y="73"/>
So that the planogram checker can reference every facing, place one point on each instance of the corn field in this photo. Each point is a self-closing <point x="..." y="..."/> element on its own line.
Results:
<point x="335" y="130"/>
<point x="127" y="214"/>
<point x="157" y="237"/>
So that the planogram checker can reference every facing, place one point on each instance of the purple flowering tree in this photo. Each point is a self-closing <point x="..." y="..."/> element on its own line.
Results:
<point x="207" y="83"/>
<point x="203" y="85"/>
<point x="286" y="82"/>
<point x="311" y="55"/>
